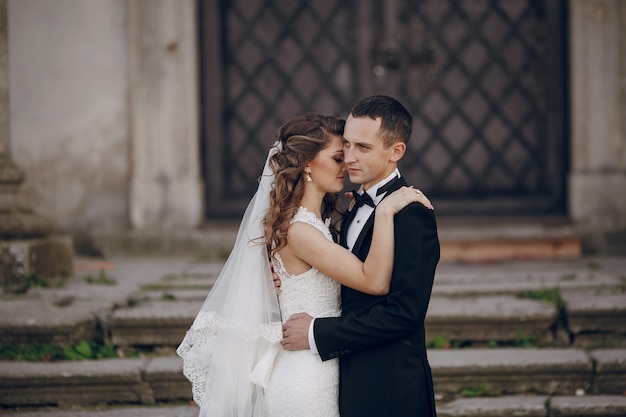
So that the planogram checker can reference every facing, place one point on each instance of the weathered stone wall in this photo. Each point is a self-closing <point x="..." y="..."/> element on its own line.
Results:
<point x="68" y="72"/>
<point x="104" y="112"/>
<point x="166" y="191"/>
<point x="598" y="113"/>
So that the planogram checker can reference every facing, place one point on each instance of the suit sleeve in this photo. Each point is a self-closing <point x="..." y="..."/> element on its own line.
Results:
<point x="403" y="310"/>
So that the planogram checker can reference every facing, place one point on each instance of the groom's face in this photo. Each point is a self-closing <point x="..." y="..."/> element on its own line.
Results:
<point x="367" y="160"/>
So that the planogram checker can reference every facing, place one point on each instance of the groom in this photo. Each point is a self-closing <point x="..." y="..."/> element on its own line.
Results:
<point x="379" y="340"/>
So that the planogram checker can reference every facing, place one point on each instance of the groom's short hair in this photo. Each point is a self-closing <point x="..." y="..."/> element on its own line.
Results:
<point x="396" y="121"/>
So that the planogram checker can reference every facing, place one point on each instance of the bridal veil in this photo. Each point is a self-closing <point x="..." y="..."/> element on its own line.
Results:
<point x="238" y="321"/>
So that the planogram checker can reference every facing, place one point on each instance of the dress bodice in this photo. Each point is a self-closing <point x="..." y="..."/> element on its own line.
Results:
<point x="311" y="291"/>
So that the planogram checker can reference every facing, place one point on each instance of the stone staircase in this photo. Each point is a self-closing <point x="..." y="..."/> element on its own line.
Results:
<point x="533" y="338"/>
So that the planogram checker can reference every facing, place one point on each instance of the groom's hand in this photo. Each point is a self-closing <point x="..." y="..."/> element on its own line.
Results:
<point x="296" y="332"/>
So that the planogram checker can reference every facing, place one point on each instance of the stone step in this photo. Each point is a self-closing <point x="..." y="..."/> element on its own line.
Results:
<point x="598" y="319"/>
<point x="490" y="240"/>
<point x="518" y="371"/>
<point x="152" y="323"/>
<point x="160" y="379"/>
<point x="594" y="316"/>
<point x="153" y="301"/>
<point x="498" y="248"/>
<point x="522" y="406"/>
<point x="449" y="282"/>
<point x="478" y="319"/>
<point x="23" y="320"/>
<point x="609" y="370"/>
<point x="491" y="318"/>
<point x="465" y="280"/>
<point x="74" y="383"/>
<point x="462" y="240"/>
<point x="107" y="381"/>
<point x="594" y="320"/>
<point x="80" y="308"/>
<point x="536" y="406"/>
<point x="121" y="411"/>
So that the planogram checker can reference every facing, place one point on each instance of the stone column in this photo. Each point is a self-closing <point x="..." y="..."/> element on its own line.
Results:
<point x="597" y="183"/>
<point x="25" y="247"/>
<point x="14" y="221"/>
<point x="165" y="186"/>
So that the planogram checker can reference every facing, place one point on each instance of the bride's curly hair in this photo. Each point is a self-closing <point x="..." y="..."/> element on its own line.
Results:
<point x="302" y="138"/>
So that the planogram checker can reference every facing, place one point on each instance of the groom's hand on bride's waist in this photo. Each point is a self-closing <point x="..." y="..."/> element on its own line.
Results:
<point x="296" y="332"/>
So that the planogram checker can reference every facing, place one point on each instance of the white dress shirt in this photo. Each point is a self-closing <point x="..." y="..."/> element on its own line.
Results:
<point x="354" y="230"/>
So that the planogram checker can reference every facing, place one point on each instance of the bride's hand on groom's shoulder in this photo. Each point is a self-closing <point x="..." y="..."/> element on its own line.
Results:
<point x="350" y="197"/>
<point x="296" y="332"/>
<point x="401" y="198"/>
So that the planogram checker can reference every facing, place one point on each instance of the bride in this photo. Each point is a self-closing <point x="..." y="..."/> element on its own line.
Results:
<point x="231" y="354"/>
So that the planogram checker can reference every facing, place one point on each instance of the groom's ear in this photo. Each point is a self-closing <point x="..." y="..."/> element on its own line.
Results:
<point x="397" y="151"/>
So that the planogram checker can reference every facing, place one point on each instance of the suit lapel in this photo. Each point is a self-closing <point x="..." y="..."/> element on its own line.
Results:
<point x="345" y="223"/>
<point x="365" y="232"/>
<point x="399" y="182"/>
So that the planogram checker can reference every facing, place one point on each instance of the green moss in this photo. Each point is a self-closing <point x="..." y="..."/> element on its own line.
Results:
<point x="438" y="343"/>
<point x="101" y="279"/>
<point x="44" y="352"/>
<point x="480" y="390"/>
<point x="522" y="340"/>
<point x="36" y="281"/>
<point x="550" y="295"/>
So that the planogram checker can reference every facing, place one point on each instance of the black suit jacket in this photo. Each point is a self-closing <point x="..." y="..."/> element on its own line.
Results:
<point x="380" y="340"/>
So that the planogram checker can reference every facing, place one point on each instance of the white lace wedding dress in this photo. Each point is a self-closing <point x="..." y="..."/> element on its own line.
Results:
<point x="301" y="385"/>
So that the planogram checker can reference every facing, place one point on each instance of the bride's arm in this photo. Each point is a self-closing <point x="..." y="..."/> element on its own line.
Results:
<point x="373" y="275"/>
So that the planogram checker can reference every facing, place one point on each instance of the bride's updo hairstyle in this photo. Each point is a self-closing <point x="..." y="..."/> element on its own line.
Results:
<point x="301" y="139"/>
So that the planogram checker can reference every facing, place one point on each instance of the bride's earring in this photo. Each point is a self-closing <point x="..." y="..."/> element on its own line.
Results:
<point x="308" y="177"/>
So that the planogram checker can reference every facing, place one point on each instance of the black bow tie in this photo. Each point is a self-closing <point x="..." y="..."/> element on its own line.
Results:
<point x="359" y="199"/>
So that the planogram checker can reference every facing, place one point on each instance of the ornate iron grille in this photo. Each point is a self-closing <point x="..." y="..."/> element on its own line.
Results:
<point x="484" y="81"/>
<point x="279" y="58"/>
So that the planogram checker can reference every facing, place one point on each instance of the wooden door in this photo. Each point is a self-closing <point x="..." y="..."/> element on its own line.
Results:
<point x="485" y="81"/>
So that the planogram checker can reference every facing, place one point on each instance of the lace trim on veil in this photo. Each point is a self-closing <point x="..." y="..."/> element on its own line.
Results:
<point x="210" y="323"/>
<point x="200" y="339"/>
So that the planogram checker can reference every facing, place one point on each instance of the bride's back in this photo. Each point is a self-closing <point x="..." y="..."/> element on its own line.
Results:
<point x="304" y="288"/>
